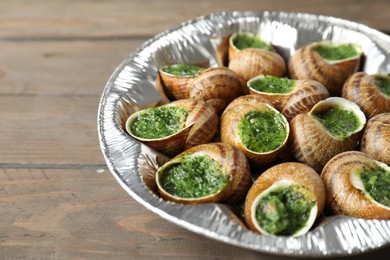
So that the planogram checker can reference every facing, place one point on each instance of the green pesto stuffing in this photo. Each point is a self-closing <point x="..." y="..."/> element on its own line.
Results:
<point x="271" y="84"/>
<point x="245" y="40"/>
<point x="284" y="211"/>
<point x="336" y="52"/>
<point x="194" y="177"/>
<point x="182" y="70"/>
<point x="262" y="131"/>
<point x="340" y="123"/>
<point x="383" y="83"/>
<point x="159" y="122"/>
<point x="376" y="182"/>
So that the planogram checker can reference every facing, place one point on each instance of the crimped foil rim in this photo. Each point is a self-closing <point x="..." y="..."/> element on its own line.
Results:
<point x="338" y="236"/>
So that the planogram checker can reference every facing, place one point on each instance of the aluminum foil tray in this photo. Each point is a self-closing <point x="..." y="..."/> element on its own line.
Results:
<point x="132" y="87"/>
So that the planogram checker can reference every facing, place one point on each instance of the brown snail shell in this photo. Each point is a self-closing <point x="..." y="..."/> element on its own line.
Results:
<point x="218" y="86"/>
<point x="362" y="89"/>
<point x="176" y="86"/>
<point x="233" y="163"/>
<point x="290" y="173"/>
<point x="308" y="64"/>
<point x="344" y="195"/>
<point x="233" y="50"/>
<point x="303" y="96"/>
<point x="312" y="144"/>
<point x="229" y="127"/>
<point x="376" y="138"/>
<point x="251" y="62"/>
<point x="200" y="127"/>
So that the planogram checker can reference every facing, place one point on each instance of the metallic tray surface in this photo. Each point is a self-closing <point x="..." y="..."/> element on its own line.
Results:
<point x="132" y="87"/>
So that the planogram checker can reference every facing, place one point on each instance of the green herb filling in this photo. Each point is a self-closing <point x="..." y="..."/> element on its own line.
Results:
<point x="340" y="123"/>
<point x="194" y="177"/>
<point x="383" y="83"/>
<point x="159" y="122"/>
<point x="336" y="52"/>
<point x="182" y="70"/>
<point x="271" y="84"/>
<point x="284" y="211"/>
<point x="377" y="183"/>
<point x="262" y="131"/>
<point x="245" y="40"/>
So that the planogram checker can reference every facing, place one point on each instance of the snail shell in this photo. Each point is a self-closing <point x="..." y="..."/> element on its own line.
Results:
<point x="218" y="86"/>
<point x="345" y="195"/>
<point x="286" y="174"/>
<point x="233" y="163"/>
<point x="308" y="64"/>
<point x="302" y="97"/>
<point x="362" y="89"/>
<point x="233" y="50"/>
<point x="313" y="144"/>
<point x="231" y="118"/>
<point x="251" y="62"/>
<point x="201" y="126"/>
<point x="376" y="138"/>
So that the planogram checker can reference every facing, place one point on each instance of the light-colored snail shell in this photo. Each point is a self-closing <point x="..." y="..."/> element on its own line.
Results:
<point x="303" y="96"/>
<point x="293" y="173"/>
<point x="218" y="86"/>
<point x="233" y="162"/>
<point x="312" y="144"/>
<point x="376" y="138"/>
<point x="201" y="126"/>
<point x="251" y="62"/>
<point x="308" y="64"/>
<point x="361" y="89"/>
<point x="229" y="126"/>
<point x="344" y="197"/>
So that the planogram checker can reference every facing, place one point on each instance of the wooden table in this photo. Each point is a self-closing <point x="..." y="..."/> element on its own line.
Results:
<point x="57" y="198"/>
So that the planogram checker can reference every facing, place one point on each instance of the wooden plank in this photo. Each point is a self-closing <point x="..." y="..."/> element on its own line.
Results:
<point x="28" y="19"/>
<point x="50" y="68"/>
<point x="55" y="129"/>
<point x="84" y="214"/>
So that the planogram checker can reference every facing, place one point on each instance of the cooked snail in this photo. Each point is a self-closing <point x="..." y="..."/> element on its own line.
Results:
<point x="285" y="200"/>
<point x="326" y="62"/>
<point x="177" y="79"/>
<point x="291" y="97"/>
<point x="331" y="127"/>
<point x="218" y="86"/>
<point x="206" y="173"/>
<point x="357" y="185"/>
<point x="251" y="62"/>
<point x="244" y="40"/>
<point x="376" y="138"/>
<point x="252" y="125"/>
<point x="176" y="126"/>
<point x="370" y="92"/>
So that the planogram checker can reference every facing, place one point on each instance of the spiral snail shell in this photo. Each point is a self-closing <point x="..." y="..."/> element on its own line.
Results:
<point x="177" y="78"/>
<point x="331" y="127"/>
<point x="244" y="40"/>
<point x="357" y="185"/>
<point x="285" y="200"/>
<point x="376" y="138"/>
<point x="326" y="62"/>
<point x="217" y="86"/>
<point x="176" y="126"/>
<point x="252" y="125"/>
<point x="370" y="92"/>
<point x="214" y="172"/>
<point x="291" y="97"/>
<point x="251" y="62"/>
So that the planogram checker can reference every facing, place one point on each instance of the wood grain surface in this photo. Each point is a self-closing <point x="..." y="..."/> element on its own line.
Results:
<point x="57" y="198"/>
